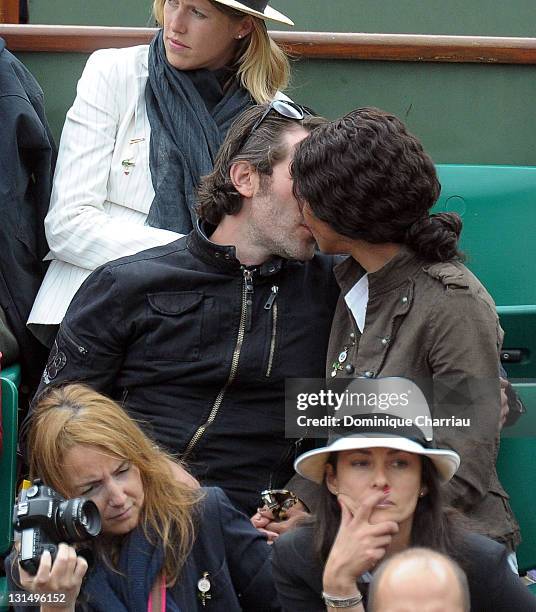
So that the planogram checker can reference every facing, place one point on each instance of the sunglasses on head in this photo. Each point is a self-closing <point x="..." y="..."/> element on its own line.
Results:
<point x="285" y="108"/>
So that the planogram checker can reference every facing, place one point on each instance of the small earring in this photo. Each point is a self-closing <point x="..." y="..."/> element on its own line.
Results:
<point x="421" y="494"/>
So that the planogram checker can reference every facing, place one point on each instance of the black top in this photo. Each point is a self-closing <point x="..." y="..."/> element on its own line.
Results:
<point x="492" y="584"/>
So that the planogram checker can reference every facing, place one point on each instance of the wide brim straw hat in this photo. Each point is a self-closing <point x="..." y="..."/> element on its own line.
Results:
<point x="312" y="464"/>
<point x="258" y="8"/>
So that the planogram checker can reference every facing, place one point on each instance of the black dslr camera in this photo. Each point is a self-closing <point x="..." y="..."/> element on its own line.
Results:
<point x="44" y="519"/>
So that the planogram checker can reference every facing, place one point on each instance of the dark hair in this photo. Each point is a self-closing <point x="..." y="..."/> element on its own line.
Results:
<point x="263" y="148"/>
<point x="435" y="526"/>
<point x="369" y="179"/>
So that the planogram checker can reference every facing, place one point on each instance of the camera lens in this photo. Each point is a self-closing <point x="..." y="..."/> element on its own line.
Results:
<point x="78" y="519"/>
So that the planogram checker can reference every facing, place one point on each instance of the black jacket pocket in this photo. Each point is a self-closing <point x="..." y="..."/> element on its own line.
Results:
<point x="174" y="323"/>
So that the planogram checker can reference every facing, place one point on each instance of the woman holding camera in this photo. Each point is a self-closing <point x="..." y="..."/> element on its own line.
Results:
<point x="146" y="124"/>
<point x="162" y="542"/>
<point x="380" y="494"/>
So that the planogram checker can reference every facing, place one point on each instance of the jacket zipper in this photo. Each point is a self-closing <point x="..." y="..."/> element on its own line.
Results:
<point x="245" y="315"/>
<point x="271" y="305"/>
<point x="248" y="288"/>
<point x="81" y="349"/>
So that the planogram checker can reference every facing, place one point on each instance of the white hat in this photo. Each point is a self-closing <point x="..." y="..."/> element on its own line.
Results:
<point x="258" y="8"/>
<point x="312" y="464"/>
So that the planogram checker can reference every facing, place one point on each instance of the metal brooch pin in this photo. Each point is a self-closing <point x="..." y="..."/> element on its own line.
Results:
<point x="127" y="165"/>
<point x="337" y="365"/>
<point x="129" y="162"/>
<point x="203" y="586"/>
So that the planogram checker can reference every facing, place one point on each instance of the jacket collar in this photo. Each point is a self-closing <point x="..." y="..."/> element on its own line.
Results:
<point x="144" y="62"/>
<point x="223" y="257"/>
<point x="393" y="274"/>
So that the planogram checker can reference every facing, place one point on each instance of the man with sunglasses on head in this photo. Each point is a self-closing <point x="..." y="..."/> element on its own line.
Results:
<point x="196" y="337"/>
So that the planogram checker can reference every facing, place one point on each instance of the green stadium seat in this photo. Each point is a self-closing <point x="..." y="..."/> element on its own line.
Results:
<point x="526" y="424"/>
<point x="12" y="373"/>
<point x="516" y="466"/>
<point x="8" y="462"/>
<point x="519" y="345"/>
<point x="498" y="205"/>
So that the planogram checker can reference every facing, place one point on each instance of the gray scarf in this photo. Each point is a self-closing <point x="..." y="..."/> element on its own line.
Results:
<point x="185" y="135"/>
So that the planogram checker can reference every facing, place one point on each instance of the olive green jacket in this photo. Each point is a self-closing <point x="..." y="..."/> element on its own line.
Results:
<point x="436" y="325"/>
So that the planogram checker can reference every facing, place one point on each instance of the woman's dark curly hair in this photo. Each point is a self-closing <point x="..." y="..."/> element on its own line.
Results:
<point x="369" y="179"/>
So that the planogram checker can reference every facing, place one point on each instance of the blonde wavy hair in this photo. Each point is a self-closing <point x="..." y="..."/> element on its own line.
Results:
<point x="75" y="414"/>
<point x="262" y="66"/>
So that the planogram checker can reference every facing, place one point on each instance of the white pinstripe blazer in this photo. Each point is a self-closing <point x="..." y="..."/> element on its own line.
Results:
<point x="97" y="211"/>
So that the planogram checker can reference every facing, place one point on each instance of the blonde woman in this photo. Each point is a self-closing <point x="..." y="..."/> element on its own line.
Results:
<point x="146" y="124"/>
<point x="159" y="537"/>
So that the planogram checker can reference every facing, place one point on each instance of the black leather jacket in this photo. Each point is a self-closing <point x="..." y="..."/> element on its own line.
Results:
<point x="27" y="157"/>
<point x="198" y="347"/>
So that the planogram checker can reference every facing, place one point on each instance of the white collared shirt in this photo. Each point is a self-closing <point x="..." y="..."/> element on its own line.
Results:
<point x="357" y="300"/>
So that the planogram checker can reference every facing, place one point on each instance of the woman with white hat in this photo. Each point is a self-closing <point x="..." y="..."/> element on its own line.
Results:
<point x="380" y="494"/>
<point x="146" y="124"/>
